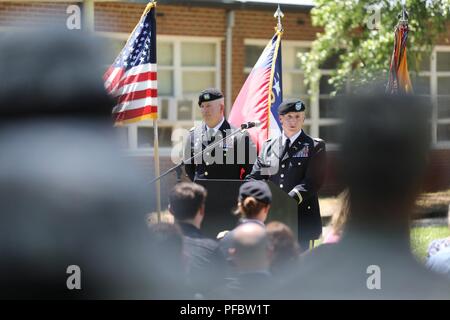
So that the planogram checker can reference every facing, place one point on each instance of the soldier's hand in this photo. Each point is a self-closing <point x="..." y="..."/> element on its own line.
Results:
<point x="295" y="194"/>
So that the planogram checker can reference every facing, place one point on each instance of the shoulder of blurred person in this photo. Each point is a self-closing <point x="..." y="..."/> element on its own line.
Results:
<point x="205" y="263"/>
<point x="61" y="171"/>
<point x="373" y="260"/>
<point x="61" y="79"/>
<point x="249" y="285"/>
<point x="440" y="262"/>
<point x="166" y="243"/>
<point x="338" y="271"/>
<point x="285" y="249"/>
<point x="437" y="246"/>
<point x="197" y="244"/>
<point x="331" y="237"/>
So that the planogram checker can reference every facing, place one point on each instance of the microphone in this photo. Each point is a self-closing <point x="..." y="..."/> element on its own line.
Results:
<point x="250" y="124"/>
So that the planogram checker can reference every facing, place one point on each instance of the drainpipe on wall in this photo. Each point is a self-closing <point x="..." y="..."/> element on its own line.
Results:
<point x="229" y="62"/>
<point x="88" y="16"/>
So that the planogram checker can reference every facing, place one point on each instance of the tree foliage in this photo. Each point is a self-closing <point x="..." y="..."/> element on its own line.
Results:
<point x="362" y="51"/>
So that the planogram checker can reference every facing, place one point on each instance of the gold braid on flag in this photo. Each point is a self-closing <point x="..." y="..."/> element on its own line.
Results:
<point x="399" y="81"/>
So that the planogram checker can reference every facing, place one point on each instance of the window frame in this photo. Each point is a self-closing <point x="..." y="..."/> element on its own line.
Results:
<point x="434" y="75"/>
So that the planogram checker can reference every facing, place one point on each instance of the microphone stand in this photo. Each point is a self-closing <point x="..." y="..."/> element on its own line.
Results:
<point x="208" y="148"/>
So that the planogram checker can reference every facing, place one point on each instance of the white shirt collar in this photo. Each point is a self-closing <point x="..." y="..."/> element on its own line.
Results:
<point x="216" y="128"/>
<point x="292" y="139"/>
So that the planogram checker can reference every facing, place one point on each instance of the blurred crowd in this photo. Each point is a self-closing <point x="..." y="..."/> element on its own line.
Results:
<point x="71" y="197"/>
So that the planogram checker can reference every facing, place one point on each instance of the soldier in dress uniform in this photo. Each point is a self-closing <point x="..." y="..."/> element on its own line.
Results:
<point x="231" y="159"/>
<point x="296" y="163"/>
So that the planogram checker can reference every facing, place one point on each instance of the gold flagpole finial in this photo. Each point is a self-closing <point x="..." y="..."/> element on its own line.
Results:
<point x="278" y="15"/>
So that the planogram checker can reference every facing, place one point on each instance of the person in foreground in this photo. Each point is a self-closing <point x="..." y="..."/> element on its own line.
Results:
<point x="383" y="156"/>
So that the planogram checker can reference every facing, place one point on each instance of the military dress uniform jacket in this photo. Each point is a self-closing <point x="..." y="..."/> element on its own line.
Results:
<point x="300" y="173"/>
<point x="232" y="159"/>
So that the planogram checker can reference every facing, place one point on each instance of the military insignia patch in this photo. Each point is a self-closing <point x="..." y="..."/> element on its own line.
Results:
<point x="206" y="96"/>
<point x="298" y="106"/>
<point x="303" y="153"/>
<point x="229" y="142"/>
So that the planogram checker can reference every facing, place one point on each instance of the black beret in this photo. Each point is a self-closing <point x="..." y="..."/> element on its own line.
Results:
<point x="291" y="106"/>
<point x="256" y="189"/>
<point x="210" y="94"/>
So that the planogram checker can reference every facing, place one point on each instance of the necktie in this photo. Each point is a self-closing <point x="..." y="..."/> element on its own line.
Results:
<point x="210" y="135"/>
<point x="286" y="147"/>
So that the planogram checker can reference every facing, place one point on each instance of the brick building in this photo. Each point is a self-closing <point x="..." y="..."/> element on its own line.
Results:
<point x="203" y="43"/>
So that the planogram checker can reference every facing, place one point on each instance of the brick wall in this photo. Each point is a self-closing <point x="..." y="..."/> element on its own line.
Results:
<point x="29" y="14"/>
<point x="172" y="20"/>
<point x="444" y="38"/>
<point x="438" y="174"/>
<point x="117" y="17"/>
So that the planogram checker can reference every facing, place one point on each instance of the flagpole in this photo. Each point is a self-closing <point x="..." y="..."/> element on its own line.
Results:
<point x="156" y="150"/>
<point x="157" y="170"/>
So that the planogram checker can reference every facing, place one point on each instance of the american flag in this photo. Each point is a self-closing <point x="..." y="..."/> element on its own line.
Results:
<point x="131" y="79"/>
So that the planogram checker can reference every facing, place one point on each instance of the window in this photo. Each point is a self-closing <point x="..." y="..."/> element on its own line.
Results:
<point x="443" y="61"/>
<point x="327" y="119"/>
<point x="433" y="81"/>
<point x="186" y="65"/>
<point x="146" y="137"/>
<point x="441" y="57"/>
<point x="293" y="78"/>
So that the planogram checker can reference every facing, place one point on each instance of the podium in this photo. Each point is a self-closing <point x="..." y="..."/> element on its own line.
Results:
<point x="222" y="201"/>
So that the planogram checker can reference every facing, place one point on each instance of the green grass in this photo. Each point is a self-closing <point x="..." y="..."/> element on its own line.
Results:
<point x="422" y="236"/>
<point x="420" y="239"/>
